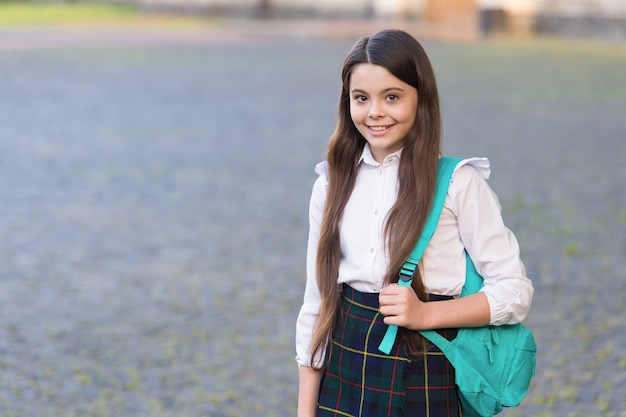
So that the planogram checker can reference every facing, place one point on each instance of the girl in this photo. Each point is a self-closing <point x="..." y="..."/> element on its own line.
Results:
<point x="367" y="211"/>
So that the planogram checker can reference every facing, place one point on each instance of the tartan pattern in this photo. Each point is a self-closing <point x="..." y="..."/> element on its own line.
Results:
<point x="360" y="381"/>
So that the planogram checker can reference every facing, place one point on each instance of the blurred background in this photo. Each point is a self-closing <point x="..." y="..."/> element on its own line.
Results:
<point x="156" y="161"/>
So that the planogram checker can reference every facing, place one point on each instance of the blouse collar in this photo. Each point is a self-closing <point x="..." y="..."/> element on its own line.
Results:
<point x="368" y="158"/>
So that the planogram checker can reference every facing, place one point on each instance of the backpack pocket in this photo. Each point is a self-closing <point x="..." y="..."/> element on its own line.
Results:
<point x="522" y="368"/>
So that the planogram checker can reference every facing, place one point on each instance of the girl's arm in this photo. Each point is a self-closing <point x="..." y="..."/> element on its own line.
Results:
<point x="401" y="307"/>
<point x="308" y="391"/>
<point x="309" y="384"/>
<point x="507" y="292"/>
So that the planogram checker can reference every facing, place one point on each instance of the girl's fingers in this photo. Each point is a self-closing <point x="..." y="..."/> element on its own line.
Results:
<point x="399" y="305"/>
<point x="390" y="289"/>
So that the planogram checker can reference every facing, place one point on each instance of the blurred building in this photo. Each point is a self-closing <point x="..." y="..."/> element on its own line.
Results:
<point x="578" y="18"/>
<point x="583" y="18"/>
<point x="603" y="18"/>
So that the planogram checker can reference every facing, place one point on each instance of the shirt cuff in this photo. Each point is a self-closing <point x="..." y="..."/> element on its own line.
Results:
<point x="506" y="307"/>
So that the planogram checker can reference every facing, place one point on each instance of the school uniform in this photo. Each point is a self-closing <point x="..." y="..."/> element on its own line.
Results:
<point x="358" y="379"/>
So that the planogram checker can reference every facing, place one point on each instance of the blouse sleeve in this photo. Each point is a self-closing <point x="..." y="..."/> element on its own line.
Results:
<point x="307" y="317"/>
<point x="491" y="245"/>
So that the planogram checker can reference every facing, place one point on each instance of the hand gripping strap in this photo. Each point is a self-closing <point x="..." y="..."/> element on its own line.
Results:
<point x="445" y="170"/>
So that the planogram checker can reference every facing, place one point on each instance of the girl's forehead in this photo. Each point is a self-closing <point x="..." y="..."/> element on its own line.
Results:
<point x="368" y="77"/>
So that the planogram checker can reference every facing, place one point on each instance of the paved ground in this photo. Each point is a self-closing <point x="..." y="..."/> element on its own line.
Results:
<point x="153" y="215"/>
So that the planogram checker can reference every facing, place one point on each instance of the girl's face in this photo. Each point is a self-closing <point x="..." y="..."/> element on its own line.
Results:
<point x="382" y="107"/>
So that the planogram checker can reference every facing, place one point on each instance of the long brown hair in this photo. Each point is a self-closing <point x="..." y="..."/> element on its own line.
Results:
<point x="405" y="59"/>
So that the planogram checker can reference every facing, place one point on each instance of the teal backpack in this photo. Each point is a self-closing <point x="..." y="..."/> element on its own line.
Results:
<point x="493" y="364"/>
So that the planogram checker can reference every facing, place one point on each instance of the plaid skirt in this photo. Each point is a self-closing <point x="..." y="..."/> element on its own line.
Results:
<point x="361" y="381"/>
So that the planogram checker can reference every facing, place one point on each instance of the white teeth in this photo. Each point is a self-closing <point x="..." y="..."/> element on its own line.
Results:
<point x="378" y="128"/>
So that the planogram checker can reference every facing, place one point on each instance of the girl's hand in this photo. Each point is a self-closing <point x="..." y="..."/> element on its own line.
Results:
<point x="401" y="307"/>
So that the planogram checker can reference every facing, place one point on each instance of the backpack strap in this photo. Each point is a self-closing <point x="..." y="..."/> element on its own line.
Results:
<point x="445" y="170"/>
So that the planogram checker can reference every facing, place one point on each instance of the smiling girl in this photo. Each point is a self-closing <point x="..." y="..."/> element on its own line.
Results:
<point x="367" y="210"/>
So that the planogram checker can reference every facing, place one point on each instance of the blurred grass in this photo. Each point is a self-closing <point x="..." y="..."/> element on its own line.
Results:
<point x="18" y="13"/>
<point x="29" y="14"/>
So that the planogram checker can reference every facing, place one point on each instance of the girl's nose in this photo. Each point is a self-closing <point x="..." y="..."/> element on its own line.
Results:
<point x="375" y="111"/>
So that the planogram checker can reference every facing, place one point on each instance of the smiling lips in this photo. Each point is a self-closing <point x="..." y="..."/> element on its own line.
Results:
<point x="379" y="129"/>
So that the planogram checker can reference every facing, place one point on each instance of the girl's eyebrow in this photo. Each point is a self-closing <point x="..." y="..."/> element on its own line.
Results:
<point x="386" y="90"/>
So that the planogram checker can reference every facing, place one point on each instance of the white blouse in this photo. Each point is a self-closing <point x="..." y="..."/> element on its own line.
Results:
<point x="471" y="220"/>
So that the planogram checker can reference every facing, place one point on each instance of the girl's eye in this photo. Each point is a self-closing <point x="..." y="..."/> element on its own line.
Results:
<point x="392" y="97"/>
<point x="360" y="99"/>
